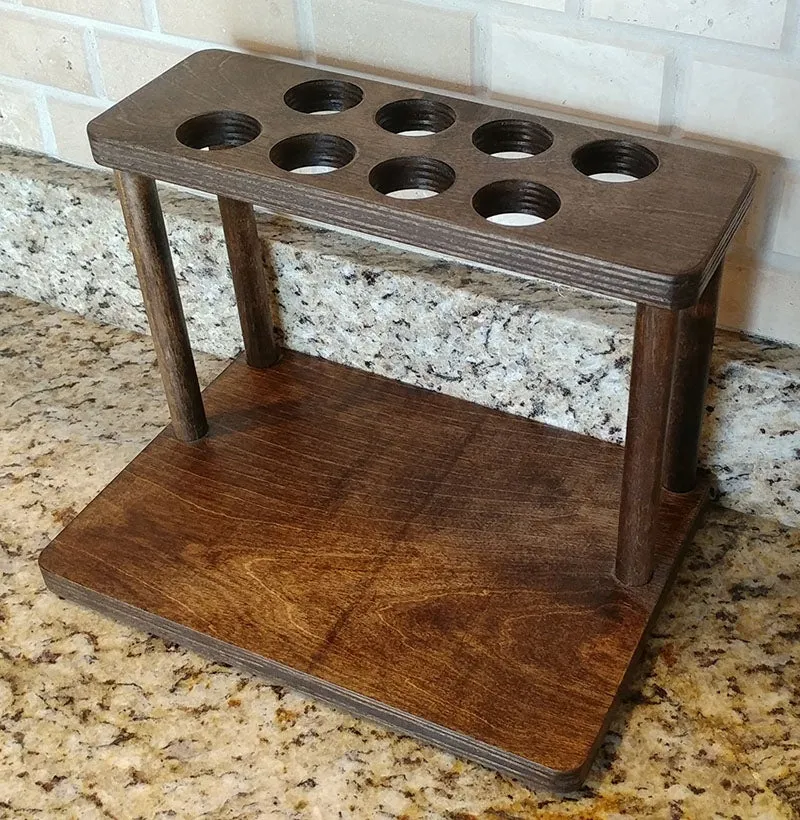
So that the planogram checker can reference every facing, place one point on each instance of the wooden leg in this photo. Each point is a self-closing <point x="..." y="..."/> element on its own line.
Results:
<point x="249" y="283"/>
<point x="148" y="238"/>
<point x="648" y="408"/>
<point x="692" y="363"/>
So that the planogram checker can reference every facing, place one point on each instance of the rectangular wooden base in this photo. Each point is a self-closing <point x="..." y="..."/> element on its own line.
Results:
<point x="439" y="567"/>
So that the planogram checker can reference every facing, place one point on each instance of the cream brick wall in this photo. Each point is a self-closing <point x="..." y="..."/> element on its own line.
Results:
<point x="756" y="23"/>
<point x="396" y="38"/>
<point x="19" y="120"/>
<point x="578" y="75"/>
<point x="719" y="73"/>
<point x="264" y="25"/>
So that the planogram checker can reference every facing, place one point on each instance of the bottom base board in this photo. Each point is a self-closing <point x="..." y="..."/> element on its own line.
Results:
<point x="439" y="567"/>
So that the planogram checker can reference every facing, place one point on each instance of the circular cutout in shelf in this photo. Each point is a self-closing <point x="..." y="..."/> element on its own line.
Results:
<point x="412" y="177"/>
<point x="323" y="96"/>
<point x="516" y="203"/>
<point x="415" y="118"/>
<point x="512" y="139"/>
<point x="615" y="161"/>
<point x="313" y="153"/>
<point x="218" y="129"/>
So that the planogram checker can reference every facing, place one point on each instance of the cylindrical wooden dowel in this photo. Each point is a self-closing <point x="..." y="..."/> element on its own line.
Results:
<point x="249" y="282"/>
<point x="151" y="254"/>
<point x="696" y="328"/>
<point x="648" y="408"/>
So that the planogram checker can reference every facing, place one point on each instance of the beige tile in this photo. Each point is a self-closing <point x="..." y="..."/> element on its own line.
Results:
<point x="19" y="120"/>
<point x="127" y="64"/>
<point x="260" y="25"/>
<point x="579" y="75"/>
<point x="760" y="299"/>
<point x="43" y="52"/>
<point x="69" y="126"/>
<point x="743" y="107"/>
<point x="554" y="5"/>
<point x="787" y="237"/>
<point x="126" y="12"/>
<point x="742" y="21"/>
<point x="399" y="39"/>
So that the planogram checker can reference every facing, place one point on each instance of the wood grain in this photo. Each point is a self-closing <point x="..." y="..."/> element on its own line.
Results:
<point x="657" y="240"/>
<point x="652" y="371"/>
<point x="695" y="345"/>
<point x="432" y="564"/>
<point x="151" y="254"/>
<point x="249" y="282"/>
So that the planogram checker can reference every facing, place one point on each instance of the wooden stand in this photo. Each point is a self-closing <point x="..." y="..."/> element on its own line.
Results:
<point x="471" y="578"/>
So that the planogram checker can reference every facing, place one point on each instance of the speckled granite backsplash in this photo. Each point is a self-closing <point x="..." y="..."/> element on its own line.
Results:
<point x="554" y="354"/>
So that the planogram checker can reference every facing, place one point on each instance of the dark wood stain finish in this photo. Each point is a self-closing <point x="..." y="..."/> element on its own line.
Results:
<point x="435" y="565"/>
<point x="648" y="408"/>
<point x="687" y="407"/>
<point x="657" y="240"/>
<point x="249" y="282"/>
<point x="443" y="568"/>
<point x="153" y="259"/>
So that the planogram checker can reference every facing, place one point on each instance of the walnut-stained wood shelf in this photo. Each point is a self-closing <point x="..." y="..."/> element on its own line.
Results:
<point x="657" y="241"/>
<point x="441" y="567"/>
<point x="478" y="580"/>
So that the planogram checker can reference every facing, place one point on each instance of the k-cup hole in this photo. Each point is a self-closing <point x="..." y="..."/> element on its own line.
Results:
<point x="412" y="177"/>
<point x="323" y="96"/>
<point x="218" y="129"/>
<point x="516" y="203"/>
<point x="615" y="161"/>
<point x="415" y="118"/>
<point x="313" y="153"/>
<point x="512" y="139"/>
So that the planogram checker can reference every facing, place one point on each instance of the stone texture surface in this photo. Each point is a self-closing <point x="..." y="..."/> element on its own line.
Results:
<point x="557" y="355"/>
<point x="124" y="12"/>
<point x="263" y="24"/>
<point x="45" y="52"/>
<point x="127" y="63"/>
<point x="100" y="721"/>
<point x="787" y="238"/>
<point x="398" y="38"/>
<point x="749" y="298"/>
<point x="744" y="107"/>
<point x="69" y="121"/>
<point x="553" y="5"/>
<point x="580" y="75"/>
<point x="720" y="71"/>
<point x="19" y="119"/>
<point x="746" y="21"/>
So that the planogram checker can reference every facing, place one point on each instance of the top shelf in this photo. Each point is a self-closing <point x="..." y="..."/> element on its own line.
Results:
<point x="655" y="239"/>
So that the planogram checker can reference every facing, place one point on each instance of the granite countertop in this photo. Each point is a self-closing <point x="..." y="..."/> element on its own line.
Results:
<point x="98" y="720"/>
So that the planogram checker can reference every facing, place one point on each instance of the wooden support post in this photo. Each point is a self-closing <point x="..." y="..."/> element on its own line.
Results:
<point x="151" y="254"/>
<point x="648" y="409"/>
<point x="249" y="283"/>
<point x="687" y="407"/>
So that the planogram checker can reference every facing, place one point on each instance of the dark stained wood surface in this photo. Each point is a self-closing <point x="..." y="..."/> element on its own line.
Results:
<point x="249" y="282"/>
<point x="440" y="567"/>
<point x="657" y="240"/>
<point x="696" y="328"/>
<point x="153" y="259"/>
<point x="652" y="372"/>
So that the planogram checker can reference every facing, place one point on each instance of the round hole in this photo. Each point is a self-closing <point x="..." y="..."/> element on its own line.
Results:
<point x="415" y="118"/>
<point x="516" y="203"/>
<point x="412" y="177"/>
<point x="323" y="96"/>
<point x="512" y="139"/>
<point x="615" y="161"/>
<point x="218" y="129"/>
<point x="312" y="153"/>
